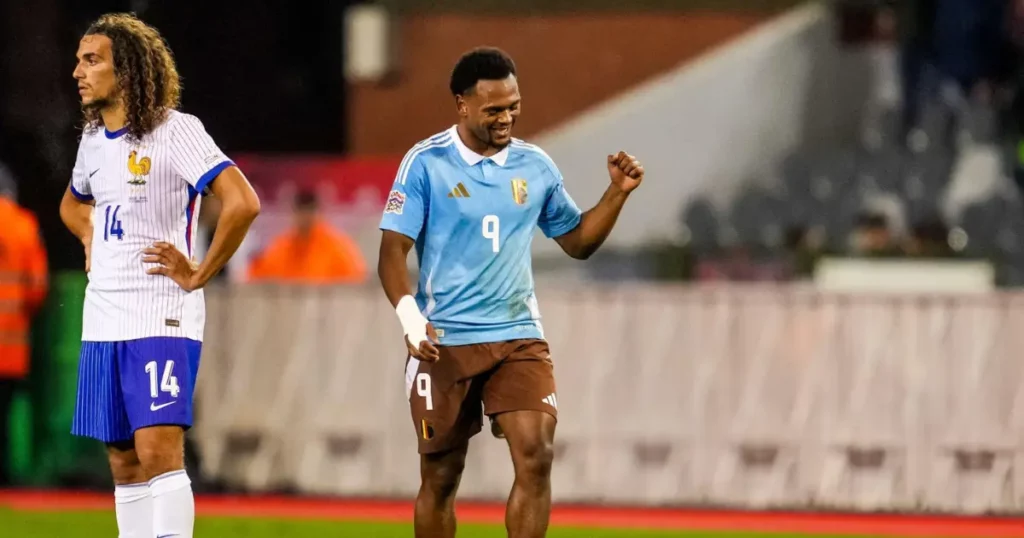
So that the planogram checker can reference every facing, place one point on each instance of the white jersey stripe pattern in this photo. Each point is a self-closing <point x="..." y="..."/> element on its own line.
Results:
<point x="145" y="191"/>
<point x="439" y="140"/>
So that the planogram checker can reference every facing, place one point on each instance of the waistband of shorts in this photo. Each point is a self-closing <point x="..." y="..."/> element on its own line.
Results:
<point x="461" y="335"/>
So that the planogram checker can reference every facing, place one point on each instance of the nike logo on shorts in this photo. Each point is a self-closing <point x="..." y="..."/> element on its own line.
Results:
<point x="154" y="407"/>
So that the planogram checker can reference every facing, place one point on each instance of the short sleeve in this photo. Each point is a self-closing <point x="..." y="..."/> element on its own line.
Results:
<point x="80" y="187"/>
<point x="560" y="214"/>
<point x="194" y="155"/>
<point x="406" y="206"/>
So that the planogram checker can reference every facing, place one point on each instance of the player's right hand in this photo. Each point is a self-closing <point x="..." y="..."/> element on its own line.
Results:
<point x="427" y="349"/>
<point x="625" y="171"/>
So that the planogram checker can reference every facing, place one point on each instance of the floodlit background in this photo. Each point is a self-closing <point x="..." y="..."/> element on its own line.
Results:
<point x="811" y="304"/>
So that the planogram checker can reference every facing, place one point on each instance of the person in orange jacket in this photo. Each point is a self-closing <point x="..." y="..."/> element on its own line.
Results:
<point x="23" y="286"/>
<point x="311" y="252"/>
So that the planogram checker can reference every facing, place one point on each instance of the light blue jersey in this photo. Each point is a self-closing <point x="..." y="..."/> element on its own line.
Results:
<point x="473" y="219"/>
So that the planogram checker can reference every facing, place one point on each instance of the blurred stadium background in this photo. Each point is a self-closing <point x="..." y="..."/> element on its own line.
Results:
<point x="809" y="309"/>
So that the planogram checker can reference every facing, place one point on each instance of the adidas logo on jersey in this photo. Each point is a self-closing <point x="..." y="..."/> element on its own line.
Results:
<point x="459" y="191"/>
<point x="551" y="400"/>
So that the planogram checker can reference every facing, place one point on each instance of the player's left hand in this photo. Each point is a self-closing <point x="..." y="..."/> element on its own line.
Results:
<point x="625" y="171"/>
<point x="173" y="265"/>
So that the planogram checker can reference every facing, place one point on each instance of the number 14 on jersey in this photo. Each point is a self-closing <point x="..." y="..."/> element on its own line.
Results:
<point x="112" y="224"/>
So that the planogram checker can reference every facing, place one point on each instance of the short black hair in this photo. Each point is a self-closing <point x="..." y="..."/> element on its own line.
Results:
<point x="481" y="63"/>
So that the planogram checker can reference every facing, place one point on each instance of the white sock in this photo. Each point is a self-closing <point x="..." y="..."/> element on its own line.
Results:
<point x="134" y="509"/>
<point x="174" y="510"/>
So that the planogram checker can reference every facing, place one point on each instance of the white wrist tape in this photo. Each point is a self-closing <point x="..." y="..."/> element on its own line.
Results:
<point x="414" y="325"/>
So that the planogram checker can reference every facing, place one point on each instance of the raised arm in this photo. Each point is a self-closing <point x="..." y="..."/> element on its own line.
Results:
<point x="594" y="225"/>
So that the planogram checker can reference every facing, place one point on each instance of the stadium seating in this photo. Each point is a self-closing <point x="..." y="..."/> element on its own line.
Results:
<point x="952" y="167"/>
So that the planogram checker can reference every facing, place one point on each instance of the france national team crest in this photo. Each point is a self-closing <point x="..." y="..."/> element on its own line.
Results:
<point x="396" y="201"/>
<point x="519" y="191"/>
<point x="138" y="168"/>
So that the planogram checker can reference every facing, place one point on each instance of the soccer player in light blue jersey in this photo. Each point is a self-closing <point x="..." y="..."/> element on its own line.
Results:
<point x="469" y="199"/>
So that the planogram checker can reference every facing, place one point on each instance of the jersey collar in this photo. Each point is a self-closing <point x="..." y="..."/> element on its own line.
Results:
<point x="471" y="157"/>
<point x="115" y="134"/>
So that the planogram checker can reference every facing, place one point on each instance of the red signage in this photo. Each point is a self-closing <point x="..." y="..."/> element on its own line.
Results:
<point x="349" y="183"/>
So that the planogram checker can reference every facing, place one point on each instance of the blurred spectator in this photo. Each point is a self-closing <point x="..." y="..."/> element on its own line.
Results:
<point x="959" y="45"/>
<point x="311" y="252"/>
<point x="23" y="286"/>
<point x="929" y="239"/>
<point x="872" y="237"/>
<point x="1015" y="25"/>
<point x="970" y="43"/>
<point x="912" y="23"/>
<point x="804" y="247"/>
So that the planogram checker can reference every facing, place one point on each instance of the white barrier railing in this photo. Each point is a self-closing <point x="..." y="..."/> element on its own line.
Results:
<point x="741" y="396"/>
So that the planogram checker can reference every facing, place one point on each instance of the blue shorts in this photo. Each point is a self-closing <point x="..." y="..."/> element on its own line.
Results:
<point x="125" y="386"/>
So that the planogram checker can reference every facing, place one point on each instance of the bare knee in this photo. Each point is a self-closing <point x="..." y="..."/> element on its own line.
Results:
<point x="441" y="475"/>
<point x="161" y="449"/>
<point x="533" y="460"/>
<point x="531" y="438"/>
<point x="125" y="466"/>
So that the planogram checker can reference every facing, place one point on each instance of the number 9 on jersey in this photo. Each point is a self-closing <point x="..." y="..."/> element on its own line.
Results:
<point x="492" y="231"/>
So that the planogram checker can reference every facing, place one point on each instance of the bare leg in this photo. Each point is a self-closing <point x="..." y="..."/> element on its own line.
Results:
<point x="162" y="453"/>
<point x="439" y="480"/>
<point x="125" y="466"/>
<point x="530" y="436"/>
<point x="133" y="505"/>
<point x="161" y="449"/>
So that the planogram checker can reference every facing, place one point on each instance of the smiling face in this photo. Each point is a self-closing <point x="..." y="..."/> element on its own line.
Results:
<point x="97" y="80"/>
<point x="490" y="110"/>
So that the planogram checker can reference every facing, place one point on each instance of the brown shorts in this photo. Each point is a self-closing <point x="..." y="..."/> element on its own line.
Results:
<point x="446" y="396"/>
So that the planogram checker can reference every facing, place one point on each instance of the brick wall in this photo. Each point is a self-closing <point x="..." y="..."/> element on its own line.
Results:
<point x="566" y="64"/>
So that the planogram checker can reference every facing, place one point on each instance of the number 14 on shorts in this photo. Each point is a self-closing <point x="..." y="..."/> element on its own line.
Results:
<point x="168" y="382"/>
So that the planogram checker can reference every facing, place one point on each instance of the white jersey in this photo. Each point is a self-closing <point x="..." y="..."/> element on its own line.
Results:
<point x="145" y="192"/>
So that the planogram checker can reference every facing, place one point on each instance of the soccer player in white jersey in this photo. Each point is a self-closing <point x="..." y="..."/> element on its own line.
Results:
<point x="469" y="200"/>
<point x="141" y="170"/>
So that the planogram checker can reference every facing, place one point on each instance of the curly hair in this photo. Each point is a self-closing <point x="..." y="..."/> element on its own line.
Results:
<point x="147" y="78"/>
<point x="481" y="63"/>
